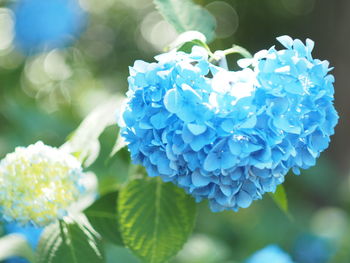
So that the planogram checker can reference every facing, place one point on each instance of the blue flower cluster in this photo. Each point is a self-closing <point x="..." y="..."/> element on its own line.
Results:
<point x="270" y="254"/>
<point x="310" y="248"/>
<point x="42" y="25"/>
<point x="229" y="136"/>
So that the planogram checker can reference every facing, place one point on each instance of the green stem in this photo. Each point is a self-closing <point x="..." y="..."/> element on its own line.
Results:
<point x="63" y="235"/>
<point x="235" y="49"/>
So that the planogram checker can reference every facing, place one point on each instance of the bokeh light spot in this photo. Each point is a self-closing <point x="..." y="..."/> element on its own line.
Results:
<point x="226" y="18"/>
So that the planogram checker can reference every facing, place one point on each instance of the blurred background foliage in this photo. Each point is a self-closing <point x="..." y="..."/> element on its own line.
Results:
<point x="45" y="95"/>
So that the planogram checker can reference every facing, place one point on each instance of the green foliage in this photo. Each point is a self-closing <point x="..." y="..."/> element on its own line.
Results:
<point x="73" y="242"/>
<point x="155" y="218"/>
<point x="185" y="41"/>
<point x="187" y="47"/>
<point x="15" y="245"/>
<point x="119" y="144"/>
<point x="103" y="217"/>
<point x="84" y="141"/>
<point x="280" y="198"/>
<point x="343" y="252"/>
<point x="111" y="171"/>
<point x="185" y="15"/>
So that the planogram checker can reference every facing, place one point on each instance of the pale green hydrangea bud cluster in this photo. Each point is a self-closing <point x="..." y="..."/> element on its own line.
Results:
<point x="38" y="184"/>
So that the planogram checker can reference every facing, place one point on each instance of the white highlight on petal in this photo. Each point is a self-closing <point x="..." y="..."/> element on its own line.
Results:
<point x="237" y="84"/>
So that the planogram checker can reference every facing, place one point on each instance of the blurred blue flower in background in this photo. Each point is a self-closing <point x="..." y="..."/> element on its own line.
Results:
<point x="30" y="233"/>
<point x="312" y="249"/>
<point x="270" y="254"/>
<point x="234" y="136"/>
<point x="42" y="25"/>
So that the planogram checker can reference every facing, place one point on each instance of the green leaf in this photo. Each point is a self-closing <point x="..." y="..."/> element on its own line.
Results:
<point x="84" y="141"/>
<point x="111" y="171"/>
<point x="155" y="218"/>
<point x="15" y="245"/>
<point x="119" y="144"/>
<point x="102" y="215"/>
<point x="185" y="41"/>
<point x="280" y="198"/>
<point x="185" y="15"/>
<point x="187" y="47"/>
<point x="73" y="242"/>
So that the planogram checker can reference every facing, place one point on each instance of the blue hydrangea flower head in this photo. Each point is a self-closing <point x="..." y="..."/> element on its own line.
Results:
<point x="38" y="185"/>
<point x="41" y="25"/>
<point x="313" y="249"/>
<point x="270" y="254"/>
<point x="227" y="136"/>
